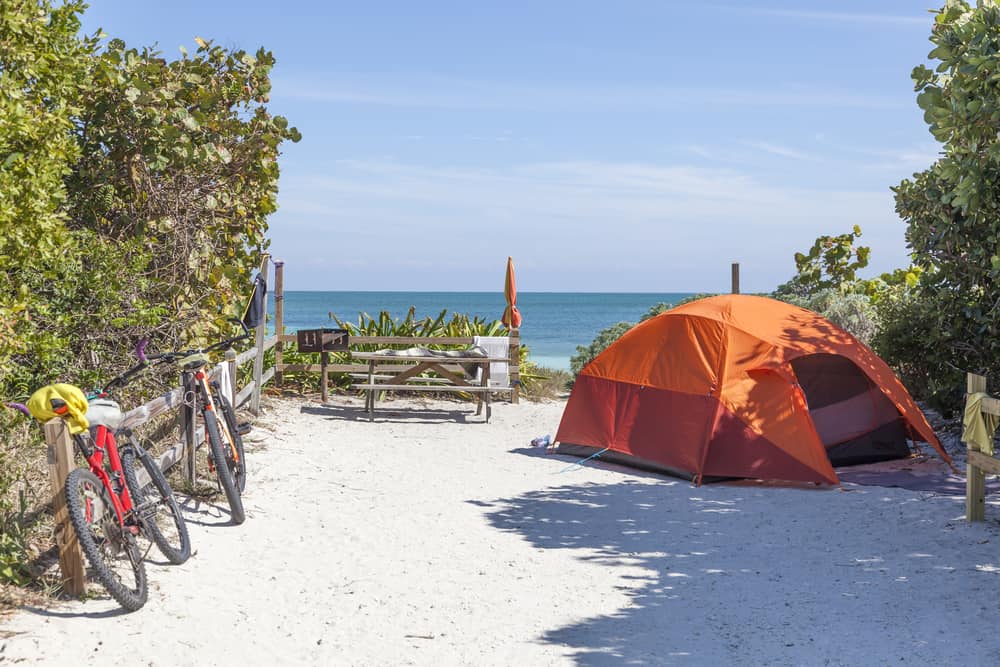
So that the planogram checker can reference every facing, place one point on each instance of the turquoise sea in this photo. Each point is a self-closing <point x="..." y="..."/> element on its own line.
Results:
<point x="554" y="323"/>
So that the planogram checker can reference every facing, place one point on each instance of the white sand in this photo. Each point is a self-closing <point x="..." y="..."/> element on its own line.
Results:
<point x="431" y="538"/>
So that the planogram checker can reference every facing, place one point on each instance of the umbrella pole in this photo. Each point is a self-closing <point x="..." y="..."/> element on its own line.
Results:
<point x="514" y="346"/>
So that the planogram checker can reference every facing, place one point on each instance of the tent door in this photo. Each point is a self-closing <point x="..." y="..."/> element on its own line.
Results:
<point x="854" y="419"/>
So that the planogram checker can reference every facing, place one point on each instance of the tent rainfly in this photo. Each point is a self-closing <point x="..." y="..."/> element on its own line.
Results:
<point x="741" y="386"/>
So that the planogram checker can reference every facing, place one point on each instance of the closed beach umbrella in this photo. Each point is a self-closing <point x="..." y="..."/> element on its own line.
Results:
<point x="511" y="315"/>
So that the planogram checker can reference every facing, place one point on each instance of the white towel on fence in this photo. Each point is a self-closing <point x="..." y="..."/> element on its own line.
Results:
<point x="224" y="382"/>
<point x="495" y="346"/>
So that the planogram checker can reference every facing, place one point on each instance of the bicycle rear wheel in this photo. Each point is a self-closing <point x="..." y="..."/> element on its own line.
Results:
<point x="110" y="548"/>
<point x="225" y="464"/>
<point x="223" y="407"/>
<point x="159" y="515"/>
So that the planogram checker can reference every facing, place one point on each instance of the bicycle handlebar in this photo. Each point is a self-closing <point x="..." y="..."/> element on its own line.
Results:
<point x="172" y="355"/>
<point x="18" y="406"/>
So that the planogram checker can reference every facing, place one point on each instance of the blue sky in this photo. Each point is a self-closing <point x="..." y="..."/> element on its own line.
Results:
<point x="606" y="146"/>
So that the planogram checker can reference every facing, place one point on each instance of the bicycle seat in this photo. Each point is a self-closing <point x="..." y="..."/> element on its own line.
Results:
<point x="104" y="411"/>
<point x="193" y="361"/>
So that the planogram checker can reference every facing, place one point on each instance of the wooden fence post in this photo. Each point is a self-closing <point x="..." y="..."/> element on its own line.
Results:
<point x="736" y="277"/>
<point x="279" y="318"/>
<point x="60" y="458"/>
<point x="514" y="370"/>
<point x="324" y="361"/>
<point x="231" y="363"/>
<point x="975" y="477"/>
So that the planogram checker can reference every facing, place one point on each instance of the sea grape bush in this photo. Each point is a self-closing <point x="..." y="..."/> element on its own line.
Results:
<point x="951" y="208"/>
<point x="134" y="192"/>
<point x="831" y="263"/>
<point x="179" y="167"/>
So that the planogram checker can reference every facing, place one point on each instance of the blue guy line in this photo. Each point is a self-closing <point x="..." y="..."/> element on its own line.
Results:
<point x="582" y="461"/>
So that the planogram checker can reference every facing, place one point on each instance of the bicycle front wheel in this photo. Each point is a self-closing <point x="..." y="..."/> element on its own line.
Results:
<point x="239" y="466"/>
<point x="110" y="548"/>
<point x="225" y="465"/>
<point x="159" y="515"/>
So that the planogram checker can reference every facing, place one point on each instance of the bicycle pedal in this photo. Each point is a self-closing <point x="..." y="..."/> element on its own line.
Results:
<point x="244" y="427"/>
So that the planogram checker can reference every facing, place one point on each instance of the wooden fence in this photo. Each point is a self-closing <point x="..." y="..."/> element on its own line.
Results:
<point x="324" y="368"/>
<point x="979" y="464"/>
<point x="61" y="454"/>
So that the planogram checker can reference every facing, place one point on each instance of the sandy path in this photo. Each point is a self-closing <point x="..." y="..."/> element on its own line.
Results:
<point x="430" y="538"/>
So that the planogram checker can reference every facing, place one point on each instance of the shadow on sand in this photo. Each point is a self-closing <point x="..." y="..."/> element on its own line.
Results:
<point x="743" y="575"/>
<point x="414" y="415"/>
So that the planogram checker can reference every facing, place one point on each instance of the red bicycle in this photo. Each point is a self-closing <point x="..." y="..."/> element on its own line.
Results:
<point x="108" y="506"/>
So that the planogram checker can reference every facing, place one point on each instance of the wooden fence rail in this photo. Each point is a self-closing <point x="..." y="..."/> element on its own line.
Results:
<point x="61" y="454"/>
<point x="978" y="463"/>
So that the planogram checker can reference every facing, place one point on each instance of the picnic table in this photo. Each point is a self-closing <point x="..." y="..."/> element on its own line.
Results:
<point x="449" y="378"/>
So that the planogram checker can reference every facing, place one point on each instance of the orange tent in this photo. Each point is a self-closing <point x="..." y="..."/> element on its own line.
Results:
<point x="741" y="386"/>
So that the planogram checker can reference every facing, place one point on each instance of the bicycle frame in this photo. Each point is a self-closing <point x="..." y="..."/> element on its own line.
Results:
<point x="101" y="442"/>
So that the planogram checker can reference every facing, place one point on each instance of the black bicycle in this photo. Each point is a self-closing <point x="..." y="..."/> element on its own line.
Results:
<point x="204" y="396"/>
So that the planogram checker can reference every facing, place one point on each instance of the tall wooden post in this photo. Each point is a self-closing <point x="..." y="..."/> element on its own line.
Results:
<point x="975" y="477"/>
<point x="60" y="458"/>
<point x="279" y="317"/>
<point x="258" y="361"/>
<point x="736" y="278"/>
<point x="513" y="369"/>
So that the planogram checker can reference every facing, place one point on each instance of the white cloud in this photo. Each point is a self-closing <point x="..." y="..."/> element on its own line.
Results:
<point x="449" y="93"/>
<point x="781" y="151"/>
<point x="846" y="17"/>
<point x="609" y="225"/>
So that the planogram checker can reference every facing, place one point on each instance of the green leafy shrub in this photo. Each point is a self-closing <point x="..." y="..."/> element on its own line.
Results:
<point x="951" y="207"/>
<point x="908" y="333"/>
<point x="831" y="263"/>
<point x="851" y="311"/>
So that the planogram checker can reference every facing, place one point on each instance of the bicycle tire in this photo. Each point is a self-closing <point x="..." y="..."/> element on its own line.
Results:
<point x="159" y="515"/>
<point x="223" y="406"/>
<point x="111" y="551"/>
<point x="223" y="471"/>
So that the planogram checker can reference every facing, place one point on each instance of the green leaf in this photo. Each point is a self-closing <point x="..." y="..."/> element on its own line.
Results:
<point x="11" y="159"/>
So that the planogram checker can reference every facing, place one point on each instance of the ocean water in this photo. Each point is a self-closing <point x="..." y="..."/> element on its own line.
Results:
<point x="554" y="323"/>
